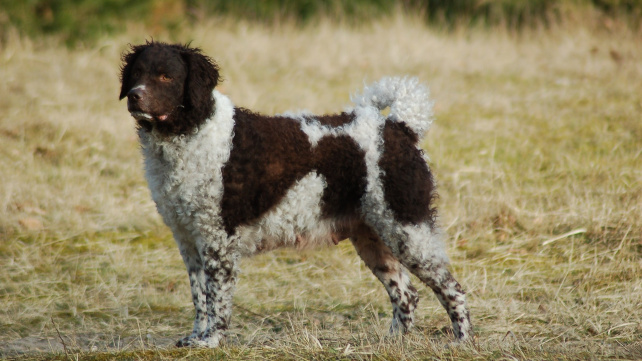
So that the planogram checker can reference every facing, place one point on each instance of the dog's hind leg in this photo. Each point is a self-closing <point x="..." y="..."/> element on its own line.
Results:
<point x="403" y="296"/>
<point x="421" y="252"/>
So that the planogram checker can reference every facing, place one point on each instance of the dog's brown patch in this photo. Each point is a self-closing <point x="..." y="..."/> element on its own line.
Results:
<point x="341" y="162"/>
<point x="409" y="188"/>
<point x="336" y="120"/>
<point x="269" y="154"/>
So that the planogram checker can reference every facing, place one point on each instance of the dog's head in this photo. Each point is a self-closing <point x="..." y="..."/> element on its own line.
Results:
<point x="168" y="86"/>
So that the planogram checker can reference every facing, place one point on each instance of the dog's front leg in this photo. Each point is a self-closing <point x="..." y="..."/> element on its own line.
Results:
<point x="196" y="274"/>
<point x="220" y="263"/>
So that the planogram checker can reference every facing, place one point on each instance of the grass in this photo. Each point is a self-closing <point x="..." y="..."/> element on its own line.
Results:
<point x="537" y="150"/>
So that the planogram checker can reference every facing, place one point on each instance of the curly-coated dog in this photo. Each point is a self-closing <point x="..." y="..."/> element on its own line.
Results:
<point x="230" y="182"/>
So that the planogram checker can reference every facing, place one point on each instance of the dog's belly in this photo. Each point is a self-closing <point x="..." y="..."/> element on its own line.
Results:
<point x="296" y="221"/>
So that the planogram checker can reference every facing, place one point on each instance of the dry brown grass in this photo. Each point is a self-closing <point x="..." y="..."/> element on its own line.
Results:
<point x="537" y="147"/>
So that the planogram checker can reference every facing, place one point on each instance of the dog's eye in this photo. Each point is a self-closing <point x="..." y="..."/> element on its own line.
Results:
<point x="165" y="77"/>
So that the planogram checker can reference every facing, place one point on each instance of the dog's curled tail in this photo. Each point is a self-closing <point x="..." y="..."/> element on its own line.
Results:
<point x="408" y="99"/>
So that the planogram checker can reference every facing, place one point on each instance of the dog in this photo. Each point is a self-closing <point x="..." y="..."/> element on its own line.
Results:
<point x="230" y="182"/>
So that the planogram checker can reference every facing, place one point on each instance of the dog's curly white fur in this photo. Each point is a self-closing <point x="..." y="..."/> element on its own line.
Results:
<point x="313" y="181"/>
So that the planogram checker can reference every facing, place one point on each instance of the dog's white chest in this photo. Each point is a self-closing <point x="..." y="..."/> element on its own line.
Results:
<point x="185" y="173"/>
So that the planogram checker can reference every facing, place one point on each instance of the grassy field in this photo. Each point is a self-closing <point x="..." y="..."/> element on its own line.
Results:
<point x="537" y="148"/>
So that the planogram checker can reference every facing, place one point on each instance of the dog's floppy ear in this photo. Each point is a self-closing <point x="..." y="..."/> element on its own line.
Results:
<point x="128" y="60"/>
<point x="202" y="77"/>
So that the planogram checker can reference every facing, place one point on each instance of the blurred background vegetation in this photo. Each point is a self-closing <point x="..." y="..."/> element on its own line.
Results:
<point x="86" y="20"/>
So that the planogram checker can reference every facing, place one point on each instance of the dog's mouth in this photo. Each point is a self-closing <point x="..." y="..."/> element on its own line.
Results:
<point x="139" y="115"/>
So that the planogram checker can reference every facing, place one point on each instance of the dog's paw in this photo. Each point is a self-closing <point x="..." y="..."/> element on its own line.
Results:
<point x="189" y="341"/>
<point x="196" y="342"/>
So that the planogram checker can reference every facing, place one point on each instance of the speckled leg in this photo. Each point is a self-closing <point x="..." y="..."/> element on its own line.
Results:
<point x="196" y="275"/>
<point x="216" y="279"/>
<point x="451" y="296"/>
<point x="430" y="265"/>
<point x="221" y="272"/>
<point x="420" y="249"/>
<point x="388" y="270"/>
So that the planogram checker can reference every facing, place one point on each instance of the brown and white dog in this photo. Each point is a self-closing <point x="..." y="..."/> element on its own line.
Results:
<point x="230" y="183"/>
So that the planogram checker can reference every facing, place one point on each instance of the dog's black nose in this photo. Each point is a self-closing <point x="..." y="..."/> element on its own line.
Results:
<point x="135" y="94"/>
